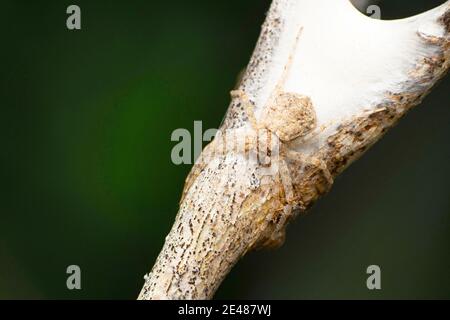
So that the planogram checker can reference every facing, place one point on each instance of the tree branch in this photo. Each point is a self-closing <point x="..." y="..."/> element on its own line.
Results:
<point x="324" y="83"/>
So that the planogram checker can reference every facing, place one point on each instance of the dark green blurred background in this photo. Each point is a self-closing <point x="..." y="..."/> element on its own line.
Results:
<point x="86" y="176"/>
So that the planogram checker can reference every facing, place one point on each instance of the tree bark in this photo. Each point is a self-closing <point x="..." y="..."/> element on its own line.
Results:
<point x="361" y="77"/>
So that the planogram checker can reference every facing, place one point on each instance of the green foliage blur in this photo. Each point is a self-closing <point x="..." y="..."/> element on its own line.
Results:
<point x="87" y="179"/>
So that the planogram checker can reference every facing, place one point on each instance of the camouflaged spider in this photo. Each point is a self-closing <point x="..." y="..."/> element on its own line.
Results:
<point x="289" y="116"/>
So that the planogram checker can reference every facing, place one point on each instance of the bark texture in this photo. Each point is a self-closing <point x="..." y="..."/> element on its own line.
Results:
<point x="248" y="184"/>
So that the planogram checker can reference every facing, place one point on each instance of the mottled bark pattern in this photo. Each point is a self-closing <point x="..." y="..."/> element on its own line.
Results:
<point x="233" y="203"/>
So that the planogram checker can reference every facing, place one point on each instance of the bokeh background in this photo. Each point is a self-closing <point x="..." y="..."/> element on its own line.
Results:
<point x="86" y="176"/>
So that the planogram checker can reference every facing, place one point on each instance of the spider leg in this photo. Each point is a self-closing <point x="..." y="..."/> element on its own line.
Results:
<point x="312" y="161"/>
<point x="286" y="180"/>
<point x="248" y="106"/>
<point x="319" y="163"/>
<point x="287" y="68"/>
